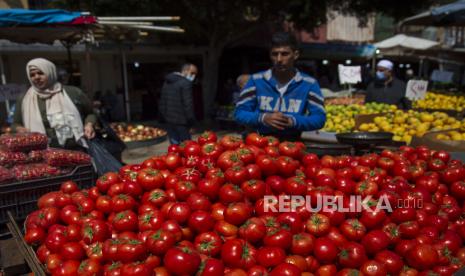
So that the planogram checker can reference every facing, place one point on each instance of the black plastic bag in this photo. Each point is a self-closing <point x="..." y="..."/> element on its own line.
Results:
<point x="112" y="143"/>
<point x="103" y="160"/>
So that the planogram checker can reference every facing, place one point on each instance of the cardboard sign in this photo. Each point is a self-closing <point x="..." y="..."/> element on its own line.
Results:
<point x="9" y="92"/>
<point x="416" y="89"/>
<point x="349" y="74"/>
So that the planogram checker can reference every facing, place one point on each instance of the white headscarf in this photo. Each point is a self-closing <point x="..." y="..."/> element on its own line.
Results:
<point x="62" y="114"/>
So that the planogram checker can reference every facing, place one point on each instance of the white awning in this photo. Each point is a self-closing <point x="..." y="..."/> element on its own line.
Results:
<point x="407" y="42"/>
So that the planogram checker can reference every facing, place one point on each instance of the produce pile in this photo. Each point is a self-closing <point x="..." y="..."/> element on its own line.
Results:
<point x="341" y="118"/>
<point x="131" y="133"/>
<point x="441" y="101"/>
<point x="453" y="135"/>
<point x="25" y="157"/>
<point x="199" y="209"/>
<point x="405" y="125"/>
<point x="357" y="99"/>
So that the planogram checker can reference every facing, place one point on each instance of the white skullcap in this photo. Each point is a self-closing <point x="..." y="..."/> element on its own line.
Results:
<point x="385" y="64"/>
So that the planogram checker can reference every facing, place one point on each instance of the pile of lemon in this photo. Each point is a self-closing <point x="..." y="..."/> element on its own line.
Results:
<point x="341" y="118"/>
<point x="406" y="124"/>
<point x="453" y="135"/>
<point x="441" y="101"/>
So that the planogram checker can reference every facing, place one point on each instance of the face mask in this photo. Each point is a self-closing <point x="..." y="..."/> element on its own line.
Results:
<point x="380" y="75"/>
<point x="190" y="77"/>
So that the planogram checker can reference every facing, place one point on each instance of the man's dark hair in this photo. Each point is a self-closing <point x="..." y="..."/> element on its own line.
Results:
<point x="284" y="39"/>
<point x="185" y="66"/>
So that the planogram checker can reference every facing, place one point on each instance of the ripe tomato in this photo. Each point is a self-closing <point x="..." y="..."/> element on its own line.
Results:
<point x="352" y="255"/>
<point x="208" y="243"/>
<point x="35" y="236"/>
<point x="201" y="221"/>
<point x="353" y="229"/>
<point x="229" y="159"/>
<point x="89" y="267"/>
<point x="135" y="269"/>
<point x="125" y="221"/>
<point x="390" y="260"/>
<point x="236" y="175"/>
<point x="318" y="225"/>
<point x="253" y="230"/>
<point x="373" y="268"/>
<point x="324" y="250"/>
<point x="375" y="241"/>
<point x="270" y="256"/>
<point x="237" y="253"/>
<point x="95" y="231"/>
<point x="159" y="242"/>
<point x="422" y="256"/>
<point x="72" y="251"/>
<point x="180" y="212"/>
<point x="150" y="179"/>
<point x="211" y="267"/>
<point x="291" y="149"/>
<point x="230" y="193"/>
<point x="268" y="165"/>
<point x="183" y="189"/>
<point x="181" y="260"/>
<point x="230" y="142"/>
<point x="207" y="137"/>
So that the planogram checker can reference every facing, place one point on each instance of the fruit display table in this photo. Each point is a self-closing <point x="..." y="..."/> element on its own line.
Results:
<point x="139" y="135"/>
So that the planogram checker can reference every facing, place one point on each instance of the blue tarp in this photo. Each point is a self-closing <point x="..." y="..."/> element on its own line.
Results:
<point x="450" y="13"/>
<point x="15" y="17"/>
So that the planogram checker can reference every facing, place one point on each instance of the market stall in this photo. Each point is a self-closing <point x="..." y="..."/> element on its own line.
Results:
<point x="154" y="214"/>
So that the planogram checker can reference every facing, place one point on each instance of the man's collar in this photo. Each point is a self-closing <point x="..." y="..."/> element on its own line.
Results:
<point x="297" y="77"/>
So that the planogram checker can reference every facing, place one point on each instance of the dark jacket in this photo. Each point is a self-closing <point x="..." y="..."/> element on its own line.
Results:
<point x="176" y="104"/>
<point x="79" y="99"/>
<point x="392" y="93"/>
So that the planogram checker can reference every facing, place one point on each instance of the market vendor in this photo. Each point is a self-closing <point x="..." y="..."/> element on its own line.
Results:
<point x="386" y="88"/>
<point x="281" y="101"/>
<point x="63" y="113"/>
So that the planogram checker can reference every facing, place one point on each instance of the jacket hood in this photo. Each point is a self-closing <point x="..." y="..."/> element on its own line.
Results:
<point x="174" y="77"/>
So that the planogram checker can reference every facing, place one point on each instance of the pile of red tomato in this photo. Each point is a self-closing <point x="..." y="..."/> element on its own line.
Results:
<point x="199" y="210"/>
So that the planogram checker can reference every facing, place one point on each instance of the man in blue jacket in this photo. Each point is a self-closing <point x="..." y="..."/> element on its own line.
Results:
<point x="281" y="101"/>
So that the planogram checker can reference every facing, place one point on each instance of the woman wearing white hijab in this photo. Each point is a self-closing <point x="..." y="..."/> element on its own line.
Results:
<point x="64" y="114"/>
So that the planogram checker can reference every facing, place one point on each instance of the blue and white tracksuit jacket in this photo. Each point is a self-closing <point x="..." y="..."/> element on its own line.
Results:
<point x="302" y="102"/>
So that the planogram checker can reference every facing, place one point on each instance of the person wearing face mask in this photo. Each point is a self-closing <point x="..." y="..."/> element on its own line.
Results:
<point x="63" y="113"/>
<point x="176" y="107"/>
<point x="386" y="88"/>
<point x="282" y="101"/>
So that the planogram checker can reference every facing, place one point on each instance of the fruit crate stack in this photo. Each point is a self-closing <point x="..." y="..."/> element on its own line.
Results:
<point x="28" y="169"/>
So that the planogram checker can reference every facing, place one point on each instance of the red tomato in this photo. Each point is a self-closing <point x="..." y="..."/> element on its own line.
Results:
<point x="318" y="225"/>
<point x="422" y="256"/>
<point x="159" y="242"/>
<point x="253" y="230"/>
<point x="35" y="236"/>
<point x="237" y="213"/>
<point x="375" y="241"/>
<point x="353" y="229"/>
<point x="211" y="267"/>
<point x="181" y="260"/>
<point x="238" y="253"/>
<point x="325" y="250"/>
<point x="390" y="260"/>
<point x="208" y="243"/>
<point x="72" y="251"/>
<point x="373" y="268"/>
<point x="207" y="137"/>
<point x="352" y="255"/>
